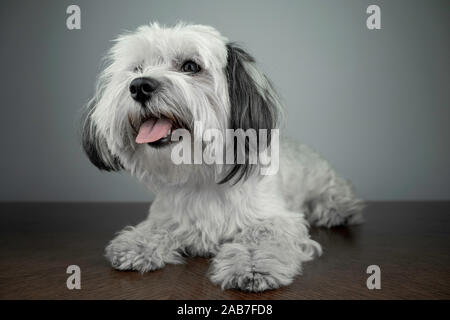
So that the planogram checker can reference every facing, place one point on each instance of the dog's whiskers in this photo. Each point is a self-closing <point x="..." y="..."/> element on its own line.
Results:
<point x="131" y="122"/>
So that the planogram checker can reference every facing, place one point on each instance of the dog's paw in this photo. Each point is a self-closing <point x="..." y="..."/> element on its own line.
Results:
<point x="252" y="281"/>
<point x="128" y="255"/>
<point x="255" y="270"/>
<point x="131" y="250"/>
<point x="328" y="214"/>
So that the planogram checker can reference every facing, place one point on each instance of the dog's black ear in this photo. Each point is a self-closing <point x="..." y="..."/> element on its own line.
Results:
<point x="95" y="146"/>
<point x="254" y="104"/>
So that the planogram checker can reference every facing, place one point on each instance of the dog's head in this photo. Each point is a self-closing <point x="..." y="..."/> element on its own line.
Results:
<point x="162" y="79"/>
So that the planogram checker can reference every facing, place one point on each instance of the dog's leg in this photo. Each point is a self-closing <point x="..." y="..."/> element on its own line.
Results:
<point x="335" y="205"/>
<point x="312" y="186"/>
<point x="143" y="248"/>
<point x="267" y="255"/>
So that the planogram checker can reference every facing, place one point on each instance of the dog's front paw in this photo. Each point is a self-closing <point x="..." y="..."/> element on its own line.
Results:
<point x="126" y="254"/>
<point x="250" y="269"/>
<point x="131" y="250"/>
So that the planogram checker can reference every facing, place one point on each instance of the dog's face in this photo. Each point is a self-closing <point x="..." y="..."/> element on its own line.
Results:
<point x="163" y="79"/>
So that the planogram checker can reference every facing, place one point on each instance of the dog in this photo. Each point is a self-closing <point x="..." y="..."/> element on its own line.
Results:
<point x="254" y="227"/>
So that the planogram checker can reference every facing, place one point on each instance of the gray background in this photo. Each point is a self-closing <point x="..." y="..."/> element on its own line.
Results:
<point x="375" y="103"/>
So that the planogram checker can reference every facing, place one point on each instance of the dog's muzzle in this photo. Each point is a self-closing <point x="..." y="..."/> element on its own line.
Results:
<point x="152" y="129"/>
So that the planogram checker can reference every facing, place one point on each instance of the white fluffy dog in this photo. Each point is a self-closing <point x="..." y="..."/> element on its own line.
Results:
<point x="254" y="227"/>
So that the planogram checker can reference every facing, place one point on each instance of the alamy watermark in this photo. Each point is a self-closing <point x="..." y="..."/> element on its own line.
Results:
<point x="73" y="21"/>
<point x="235" y="146"/>
<point x="373" y="21"/>
<point x="374" y="280"/>
<point x="74" y="280"/>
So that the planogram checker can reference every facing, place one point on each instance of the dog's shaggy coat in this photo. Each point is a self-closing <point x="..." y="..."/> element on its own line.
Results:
<point x="254" y="227"/>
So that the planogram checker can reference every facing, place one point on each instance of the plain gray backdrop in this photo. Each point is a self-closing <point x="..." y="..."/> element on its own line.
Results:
<point x="376" y="104"/>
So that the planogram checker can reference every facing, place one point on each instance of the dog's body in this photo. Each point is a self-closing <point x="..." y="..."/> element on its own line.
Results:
<point x="255" y="227"/>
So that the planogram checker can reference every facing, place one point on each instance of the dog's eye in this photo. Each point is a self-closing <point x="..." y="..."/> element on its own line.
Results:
<point x="190" y="66"/>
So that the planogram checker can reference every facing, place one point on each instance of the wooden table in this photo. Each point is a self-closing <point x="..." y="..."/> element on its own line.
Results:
<point x="410" y="241"/>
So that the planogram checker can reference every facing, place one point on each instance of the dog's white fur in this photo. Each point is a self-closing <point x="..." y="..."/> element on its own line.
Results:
<point x="255" y="230"/>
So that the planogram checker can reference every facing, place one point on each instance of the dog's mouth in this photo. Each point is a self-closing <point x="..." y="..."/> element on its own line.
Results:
<point x="156" y="131"/>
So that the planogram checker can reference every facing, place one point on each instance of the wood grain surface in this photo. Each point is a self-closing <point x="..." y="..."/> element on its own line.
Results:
<point x="410" y="241"/>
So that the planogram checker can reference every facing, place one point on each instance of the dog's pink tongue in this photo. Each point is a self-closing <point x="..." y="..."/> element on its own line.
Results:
<point x="152" y="130"/>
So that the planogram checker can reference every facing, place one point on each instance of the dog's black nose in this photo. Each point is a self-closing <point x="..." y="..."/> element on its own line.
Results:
<point x="141" y="89"/>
